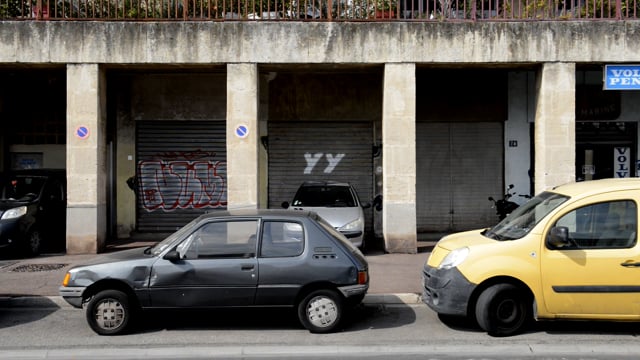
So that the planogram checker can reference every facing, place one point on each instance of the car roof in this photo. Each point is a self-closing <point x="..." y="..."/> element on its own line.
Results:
<point x="592" y="187"/>
<point x="267" y="213"/>
<point x="324" y="183"/>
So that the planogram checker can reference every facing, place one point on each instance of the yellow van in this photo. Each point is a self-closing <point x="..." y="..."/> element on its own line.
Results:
<point x="568" y="253"/>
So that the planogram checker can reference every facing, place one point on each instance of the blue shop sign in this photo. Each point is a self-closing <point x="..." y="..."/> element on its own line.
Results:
<point x="622" y="77"/>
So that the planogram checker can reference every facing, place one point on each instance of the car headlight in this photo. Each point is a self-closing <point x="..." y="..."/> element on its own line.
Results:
<point x="454" y="258"/>
<point x="14" y="213"/>
<point x="355" y="225"/>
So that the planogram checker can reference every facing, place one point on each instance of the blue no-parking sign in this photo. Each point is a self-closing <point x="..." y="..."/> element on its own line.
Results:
<point x="242" y="131"/>
<point x="82" y="132"/>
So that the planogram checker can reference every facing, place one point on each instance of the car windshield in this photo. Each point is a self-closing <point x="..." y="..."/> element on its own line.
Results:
<point x="324" y="196"/>
<point x="21" y="187"/>
<point x="172" y="239"/>
<point x="524" y="218"/>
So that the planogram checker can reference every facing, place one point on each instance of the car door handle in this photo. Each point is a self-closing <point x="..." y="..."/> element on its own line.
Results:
<point x="630" y="264"/>
<point x="246" y="267"/>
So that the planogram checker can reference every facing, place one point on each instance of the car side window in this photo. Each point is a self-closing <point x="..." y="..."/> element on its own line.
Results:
<point x="281" y="239"/>
<point x="604" y="225"/>
<point x="223" y="239"/>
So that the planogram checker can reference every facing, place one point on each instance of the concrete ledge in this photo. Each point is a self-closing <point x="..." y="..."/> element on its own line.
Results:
<point x="406" y="298"/>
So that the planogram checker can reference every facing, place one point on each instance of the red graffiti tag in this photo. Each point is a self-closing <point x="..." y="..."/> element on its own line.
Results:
<point x="171" y="185"/>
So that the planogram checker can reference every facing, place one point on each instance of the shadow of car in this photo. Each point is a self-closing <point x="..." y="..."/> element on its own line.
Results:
<point x="235" y="259"/>
<point x="33" y="210"/>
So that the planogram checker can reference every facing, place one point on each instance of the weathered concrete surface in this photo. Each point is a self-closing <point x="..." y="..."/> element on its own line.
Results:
<point x="313" y="43"/>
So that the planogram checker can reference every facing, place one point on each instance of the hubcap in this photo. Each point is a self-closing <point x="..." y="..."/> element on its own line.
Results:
<point x="322" y="311"/>
<point x="109" y="314"/>
<point x="507" y="311"/>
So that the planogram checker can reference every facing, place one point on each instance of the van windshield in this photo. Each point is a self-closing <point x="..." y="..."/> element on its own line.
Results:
<point x="524" y="218"/>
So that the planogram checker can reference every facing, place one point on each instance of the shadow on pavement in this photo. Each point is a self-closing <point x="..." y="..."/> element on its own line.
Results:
<point x="362" y="317"/>
<point x="38" y="308"/>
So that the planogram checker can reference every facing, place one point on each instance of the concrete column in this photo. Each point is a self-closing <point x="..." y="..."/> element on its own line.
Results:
<point x="554" y="135"/>
<point x="86" y="159"/>
<point x="242" y="149"/>
<point x="399" y="158"/>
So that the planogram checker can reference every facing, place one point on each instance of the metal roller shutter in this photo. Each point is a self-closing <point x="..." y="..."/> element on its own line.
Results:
<point x="459" y="165"/>
<point x="337" y="151"/>
<point x="181" y="172"/>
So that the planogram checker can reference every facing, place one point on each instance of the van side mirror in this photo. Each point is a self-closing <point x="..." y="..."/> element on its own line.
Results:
<point x="285" y="204"/>
<point x="558" y="237"/>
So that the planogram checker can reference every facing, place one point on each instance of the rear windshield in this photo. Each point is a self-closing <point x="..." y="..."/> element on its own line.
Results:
<point x="324" y="196"/>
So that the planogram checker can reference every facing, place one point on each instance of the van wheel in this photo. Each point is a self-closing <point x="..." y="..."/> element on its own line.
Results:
<point x="503" y="310"/>
<point x="109" y="312"/>
<point x="321" y="311"/>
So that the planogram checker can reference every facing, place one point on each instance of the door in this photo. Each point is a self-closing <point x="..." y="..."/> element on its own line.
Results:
<point x="599" y="274"/>
<point x="181" y="172"/>
<point x="458" y="165"/>
<point x="218" y="267"/>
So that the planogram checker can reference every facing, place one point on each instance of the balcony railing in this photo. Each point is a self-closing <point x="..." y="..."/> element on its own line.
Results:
<point x="320" y="10"/>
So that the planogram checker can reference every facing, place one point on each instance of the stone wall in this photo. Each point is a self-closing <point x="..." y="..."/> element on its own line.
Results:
<point x="193" y="43"/>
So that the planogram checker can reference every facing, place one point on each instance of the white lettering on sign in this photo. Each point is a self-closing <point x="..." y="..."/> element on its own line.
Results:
<point x="313" y="159"/>
<point x="333" y="162"/>
<point x="621" y="162"/>
<point x="619" y="77"/>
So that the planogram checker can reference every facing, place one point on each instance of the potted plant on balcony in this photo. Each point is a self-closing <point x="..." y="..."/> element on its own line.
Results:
<point x="385" y="9"/>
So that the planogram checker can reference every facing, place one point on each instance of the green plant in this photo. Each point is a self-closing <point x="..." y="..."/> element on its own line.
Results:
<point x="386" y="5"/>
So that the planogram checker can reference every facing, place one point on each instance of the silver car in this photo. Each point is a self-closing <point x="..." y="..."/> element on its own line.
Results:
<point x="250" y="258"/>
<point x="336" y="202"/>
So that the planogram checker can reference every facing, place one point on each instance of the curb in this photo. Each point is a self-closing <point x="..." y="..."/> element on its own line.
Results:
<point x="49" y="302"/>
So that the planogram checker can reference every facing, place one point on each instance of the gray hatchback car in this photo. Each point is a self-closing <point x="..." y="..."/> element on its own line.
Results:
<point x="249" y="258"/>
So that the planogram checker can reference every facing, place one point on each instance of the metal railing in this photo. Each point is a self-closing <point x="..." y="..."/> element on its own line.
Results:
<point x="320" y="10"/>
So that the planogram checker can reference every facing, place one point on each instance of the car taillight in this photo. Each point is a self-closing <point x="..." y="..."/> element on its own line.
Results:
<point x="66" y="279"/>
<point x="363" y="277"/>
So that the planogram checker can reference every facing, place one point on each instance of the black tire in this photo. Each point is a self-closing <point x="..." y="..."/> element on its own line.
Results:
<point x="321" y="311"/>
<point x="503" y="310"/>
<point x="109" y="312"/>
<point x="32" y="242"/>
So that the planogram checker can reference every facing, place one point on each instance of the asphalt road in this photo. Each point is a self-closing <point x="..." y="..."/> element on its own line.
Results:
<point x="372" y="332"/>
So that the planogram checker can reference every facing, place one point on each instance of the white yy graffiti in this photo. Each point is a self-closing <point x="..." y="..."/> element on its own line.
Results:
<point x="313" y="159"/>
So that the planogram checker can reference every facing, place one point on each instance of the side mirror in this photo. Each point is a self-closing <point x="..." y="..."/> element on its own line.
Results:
<point x="366" y="205"/>
<point x="285" y="205"/>
<point x="172" y="256"/>
<point x="558" y="237"/>
<point x="490" y="198"/>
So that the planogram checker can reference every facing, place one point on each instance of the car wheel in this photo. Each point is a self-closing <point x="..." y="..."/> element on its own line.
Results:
<point x="109" y="312"/>
<point x="33" y="242"/>
<point x="321" y="311"/>
<point x="503" y="310"/>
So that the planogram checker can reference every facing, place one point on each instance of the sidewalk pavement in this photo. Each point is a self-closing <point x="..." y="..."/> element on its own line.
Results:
<point x="394" y="278"/>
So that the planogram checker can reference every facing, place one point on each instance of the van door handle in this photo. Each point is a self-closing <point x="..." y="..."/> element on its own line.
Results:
<point x="630" y="264"/>
<point x="247" y="267"/>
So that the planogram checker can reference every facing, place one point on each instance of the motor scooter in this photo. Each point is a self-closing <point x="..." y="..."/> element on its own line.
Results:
<point x="504" y="206"/>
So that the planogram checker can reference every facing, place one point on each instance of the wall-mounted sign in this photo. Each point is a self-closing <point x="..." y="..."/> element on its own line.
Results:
<point x="242" y="131"/>
<point x="82" y="132"/>
<point x="622" y="77"/>
<point x="621" y="162"/>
